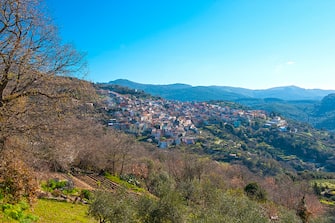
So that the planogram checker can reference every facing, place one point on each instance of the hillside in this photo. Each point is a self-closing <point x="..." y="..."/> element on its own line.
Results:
<point x="226" y="128"/>
<point x="182" y="92"/>
<point x="312" y="106"/>
<point x="319" y="114"/>
<point x="324" y="113"/>
<point x="188" y="148"/>
<point x="74" y="151"/>
<point x="300" y="111"/>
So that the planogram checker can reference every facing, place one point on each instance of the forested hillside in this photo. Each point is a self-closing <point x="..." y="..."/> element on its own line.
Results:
<point x="184" y="92"/>
<point x="319" y="114"/>
<point x="226" y="164"/>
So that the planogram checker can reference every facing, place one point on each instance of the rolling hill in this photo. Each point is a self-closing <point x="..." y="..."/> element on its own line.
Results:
<point x="184" y="92"/>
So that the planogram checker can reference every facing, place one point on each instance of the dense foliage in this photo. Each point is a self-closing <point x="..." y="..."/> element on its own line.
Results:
<point x="319" y="114"/>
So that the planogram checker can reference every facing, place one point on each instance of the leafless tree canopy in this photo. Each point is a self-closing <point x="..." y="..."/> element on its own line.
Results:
<point x="30" y="50"/>
<point x="31" y="58"/>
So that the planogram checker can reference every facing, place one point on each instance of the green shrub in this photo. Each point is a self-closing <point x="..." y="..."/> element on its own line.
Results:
<point x="124" y="183"/>
<point x="17" y="212"/>
<point x="54" y="184"/>
<point x="86" y="194"/>
<point x="112" y="207"/>
<point x="131" y="179"/>
<point x="255" y="192"/>
<point x="58" y="187"/>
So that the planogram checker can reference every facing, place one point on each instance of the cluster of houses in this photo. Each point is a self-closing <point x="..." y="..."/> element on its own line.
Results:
<point x="172" y="123"/>
<point x="278" y="122"/>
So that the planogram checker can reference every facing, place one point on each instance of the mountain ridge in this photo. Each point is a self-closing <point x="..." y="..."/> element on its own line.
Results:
<point x="185" y="92"/>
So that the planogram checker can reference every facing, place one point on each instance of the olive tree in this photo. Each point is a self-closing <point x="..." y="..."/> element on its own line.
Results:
<point x="115" y="206"/>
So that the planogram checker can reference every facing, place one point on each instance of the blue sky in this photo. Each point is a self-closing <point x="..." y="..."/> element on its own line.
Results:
<point x="255" y="44"/>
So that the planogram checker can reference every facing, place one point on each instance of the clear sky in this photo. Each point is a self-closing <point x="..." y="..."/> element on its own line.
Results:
<point x="255" y="44"/>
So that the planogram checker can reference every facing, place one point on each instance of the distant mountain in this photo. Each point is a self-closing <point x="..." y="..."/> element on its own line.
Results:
<point x="184" y="92"/>
<point x="292" y="93"/>
<point x="149" y="87"/>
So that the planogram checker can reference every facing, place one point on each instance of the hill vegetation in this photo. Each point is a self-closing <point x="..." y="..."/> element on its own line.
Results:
<point x="183" y="92"/>
<point x="180" y="184"/>
<point x="221" y="171"/>
<point x="319" y="114"/>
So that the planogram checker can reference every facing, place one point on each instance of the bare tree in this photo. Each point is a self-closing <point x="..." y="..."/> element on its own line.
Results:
<point x="30" y="49"/>
<point x="31" y="54"/>
<point x="117" y="149"/>
<point x="16" y="178"/>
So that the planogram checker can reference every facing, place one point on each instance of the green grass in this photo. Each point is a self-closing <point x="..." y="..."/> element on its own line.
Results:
<point x="4" y="219"/>
<point x="53" y="212"/>
<point x="125" y="184"/>
<point x="16" y="213"/>
<point x="327" y="202"/>
<point x="328" y="183"/>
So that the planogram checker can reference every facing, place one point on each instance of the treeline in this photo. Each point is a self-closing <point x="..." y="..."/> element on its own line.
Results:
<point x="123" y="90"/>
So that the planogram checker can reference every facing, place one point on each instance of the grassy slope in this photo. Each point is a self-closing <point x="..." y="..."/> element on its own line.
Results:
<point x="53" y="212"/>
<point x="4" y="219"/>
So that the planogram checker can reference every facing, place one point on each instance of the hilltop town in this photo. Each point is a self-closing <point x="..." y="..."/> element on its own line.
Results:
<point x="167" y="123"/>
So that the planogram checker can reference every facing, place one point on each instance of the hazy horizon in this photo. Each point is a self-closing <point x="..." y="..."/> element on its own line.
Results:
<point x="250" y="44"/>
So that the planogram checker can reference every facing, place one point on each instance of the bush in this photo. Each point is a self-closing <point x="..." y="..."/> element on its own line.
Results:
<point x="131" y="179"/>
<point x="58" y="187"/>
<point x="229" y="208"/>
<point x="255" y="192"/>
<point x="168" y="208"/>
<point x="86" y="194"/>
<point x="17" y="179"/>
<point x="53" y="184"/>
<point x="112" y="207"/>
<point x="17" y="212"/>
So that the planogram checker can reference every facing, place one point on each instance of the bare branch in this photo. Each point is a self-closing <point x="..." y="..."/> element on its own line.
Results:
<point x="29" y="46"/>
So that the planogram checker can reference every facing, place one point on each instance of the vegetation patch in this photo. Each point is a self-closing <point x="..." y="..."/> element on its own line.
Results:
<point x="50" y="211"/>
<point x="325" y="189"/>
<point x="59" y="186"/>
<point x="128" y="182"/>
<point x="17" y="213"/>
<point x="327" y="202"/>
